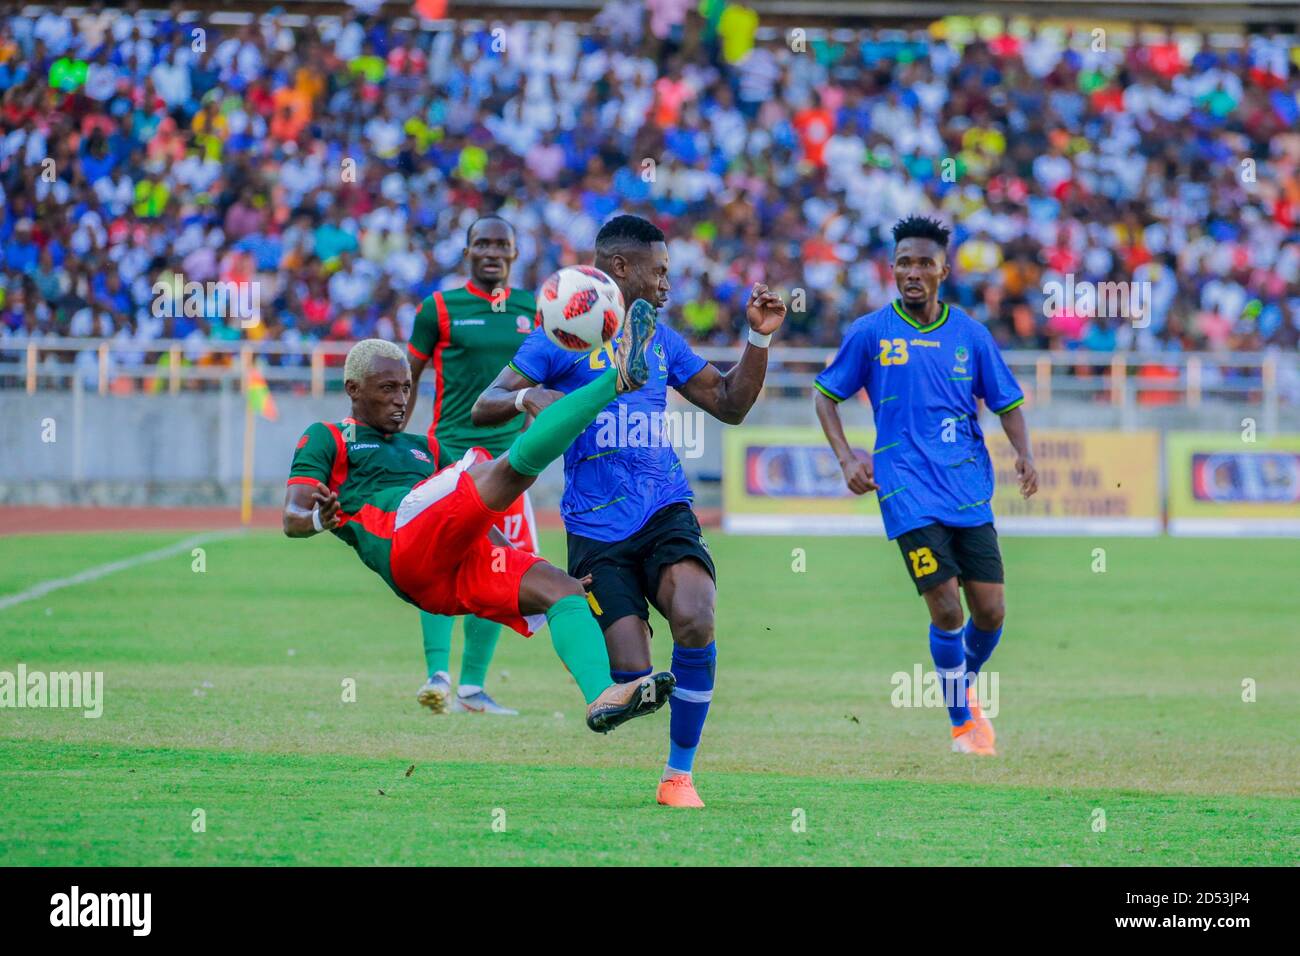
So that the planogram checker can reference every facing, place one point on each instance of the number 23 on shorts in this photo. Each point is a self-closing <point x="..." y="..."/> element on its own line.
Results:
<point x="923" y="562"/>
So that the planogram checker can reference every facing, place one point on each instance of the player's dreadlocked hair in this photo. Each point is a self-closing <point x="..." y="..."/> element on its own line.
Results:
<point x="919" y="227"/>
<point x="622" y="232"/>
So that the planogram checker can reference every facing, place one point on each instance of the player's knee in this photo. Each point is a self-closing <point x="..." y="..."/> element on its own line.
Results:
<point x="988" y="617"/>
<point x="693" y="628"/>
<point x="946" y="613"/>
<point x="565" y="586"/>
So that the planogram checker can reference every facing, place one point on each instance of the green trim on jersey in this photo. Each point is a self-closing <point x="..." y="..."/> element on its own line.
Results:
<point x="902" y="314"/>
<point x="1016" y="404"/>
<point x="466" y="343"/>
<point x="371" y="472"/>
<point x="827" y="392"/>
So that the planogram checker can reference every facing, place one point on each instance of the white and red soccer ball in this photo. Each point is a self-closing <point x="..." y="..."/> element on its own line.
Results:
<point x="580" y="308"/>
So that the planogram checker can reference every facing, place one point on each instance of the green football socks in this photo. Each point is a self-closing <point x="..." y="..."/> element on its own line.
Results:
<point x="560" y="424"/>
<point x="437" y="642"/>
<point x="480" y="644"/>
<point x="579" y="642"/>
<point x="481" y="638"/>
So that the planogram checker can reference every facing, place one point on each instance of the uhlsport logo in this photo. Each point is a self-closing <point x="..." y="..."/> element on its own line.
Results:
<point x="79" y="690"/>
<point x="75" y="908"/>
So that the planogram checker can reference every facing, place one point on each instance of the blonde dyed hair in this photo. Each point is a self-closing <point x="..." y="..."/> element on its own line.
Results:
<point x="361" y="358"/>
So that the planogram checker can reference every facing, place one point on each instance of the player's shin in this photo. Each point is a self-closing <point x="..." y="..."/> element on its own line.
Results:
<point x="950" y="664"/>
<point x="436" y="629"/>
<point x="481" y="638"/>
<point x="978" y="647"/>
<point x="694" y="669"/>
<point x="579" y="642"/>
<point x="560" y="424"/>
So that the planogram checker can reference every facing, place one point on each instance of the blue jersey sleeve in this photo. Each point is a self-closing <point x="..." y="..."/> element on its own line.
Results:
<point x="993" y="379"/>
<point x="851" y="367"/>
<point x="683" y="364"/>
<point x="537" y="357"/>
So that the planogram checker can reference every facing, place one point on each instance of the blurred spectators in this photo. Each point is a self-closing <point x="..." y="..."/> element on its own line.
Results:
<point x="337" y="165"/>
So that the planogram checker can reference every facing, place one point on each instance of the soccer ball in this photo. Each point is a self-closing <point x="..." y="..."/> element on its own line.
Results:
<point x="580" y="308"/>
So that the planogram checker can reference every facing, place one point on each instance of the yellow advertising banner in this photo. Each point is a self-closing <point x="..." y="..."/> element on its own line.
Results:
<point x="1231" y="483"/>
<point x="783" y="480"/>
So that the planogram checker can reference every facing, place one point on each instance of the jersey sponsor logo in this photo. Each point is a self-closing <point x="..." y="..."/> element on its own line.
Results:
<point x="926" y="343"/>
<point x="420" y="455"/>
<point x="362" y="447"/>
<point x="469" y="322"/>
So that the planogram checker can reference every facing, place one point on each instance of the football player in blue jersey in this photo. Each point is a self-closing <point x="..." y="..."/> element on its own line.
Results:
<point x="627" y="504"/>
<point x="924" y="364"/>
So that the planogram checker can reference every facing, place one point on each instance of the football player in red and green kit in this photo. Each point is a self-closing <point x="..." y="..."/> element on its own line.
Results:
<point x="430" y="534"/>
<point x="465" y="337"/>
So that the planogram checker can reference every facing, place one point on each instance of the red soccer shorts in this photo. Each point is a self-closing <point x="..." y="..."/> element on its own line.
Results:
<point x="442" y="559"/>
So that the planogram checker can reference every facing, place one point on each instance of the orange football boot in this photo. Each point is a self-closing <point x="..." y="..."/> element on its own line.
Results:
<point x="970" y="738"/>
<point x="977" y="714"/>
<point x="678" y="791"/>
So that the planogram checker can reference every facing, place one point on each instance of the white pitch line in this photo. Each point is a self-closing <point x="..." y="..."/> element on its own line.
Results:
<point x="103" y="570"/>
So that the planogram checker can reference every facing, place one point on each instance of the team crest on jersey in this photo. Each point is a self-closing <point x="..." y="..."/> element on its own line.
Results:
<point x="421" y="455"/>
<point x="961" y="355"/>
<point x="659" y="352"/>
<point x="523" y="324"/>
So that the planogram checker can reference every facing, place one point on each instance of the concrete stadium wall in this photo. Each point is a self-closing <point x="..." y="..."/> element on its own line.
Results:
<point x="61" y="448"/>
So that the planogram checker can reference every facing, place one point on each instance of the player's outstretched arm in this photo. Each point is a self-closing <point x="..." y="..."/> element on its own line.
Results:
<point x="1017" y="431"/>
<point x="859" y="474"/>
<point x="729" y="397"/>
<point x="501" y="400"/>
<point x="301" y="502"/>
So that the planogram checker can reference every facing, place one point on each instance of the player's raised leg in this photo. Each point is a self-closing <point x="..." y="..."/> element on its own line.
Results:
<point x="579" y="643"/>
<point x="687" y="596"/>
<point x="502" y="480"/>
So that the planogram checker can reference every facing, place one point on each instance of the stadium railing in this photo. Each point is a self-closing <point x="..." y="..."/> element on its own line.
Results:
<point x="169" y="367"/>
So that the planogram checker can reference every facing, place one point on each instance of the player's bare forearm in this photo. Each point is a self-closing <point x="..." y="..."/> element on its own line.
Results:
<point x="729" y="397"/>
<point x="301" y="501"/>
<point x="496" y="405"/>
<point x="859" y="473"/>
<point x="828" y="414"/>
<point x="1017" y="432"/>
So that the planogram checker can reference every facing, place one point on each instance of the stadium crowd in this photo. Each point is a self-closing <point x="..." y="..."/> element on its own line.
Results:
<point x="337" y="165"/>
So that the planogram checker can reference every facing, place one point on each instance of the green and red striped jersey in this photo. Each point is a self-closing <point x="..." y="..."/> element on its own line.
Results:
<point x="371" y="472"/>
<point x="467" y="338"/>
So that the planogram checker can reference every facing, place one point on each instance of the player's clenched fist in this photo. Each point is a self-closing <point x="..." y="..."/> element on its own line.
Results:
<point x="766" y="310"/>
<point x="327" y="504"/>
<point x="860" y="475"/>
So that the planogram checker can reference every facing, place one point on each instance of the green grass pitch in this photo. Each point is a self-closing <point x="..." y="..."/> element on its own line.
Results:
<point x="1120" y="692"/>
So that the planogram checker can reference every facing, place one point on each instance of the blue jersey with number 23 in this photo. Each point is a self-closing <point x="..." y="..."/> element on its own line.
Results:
<point x="923" y="381"/>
